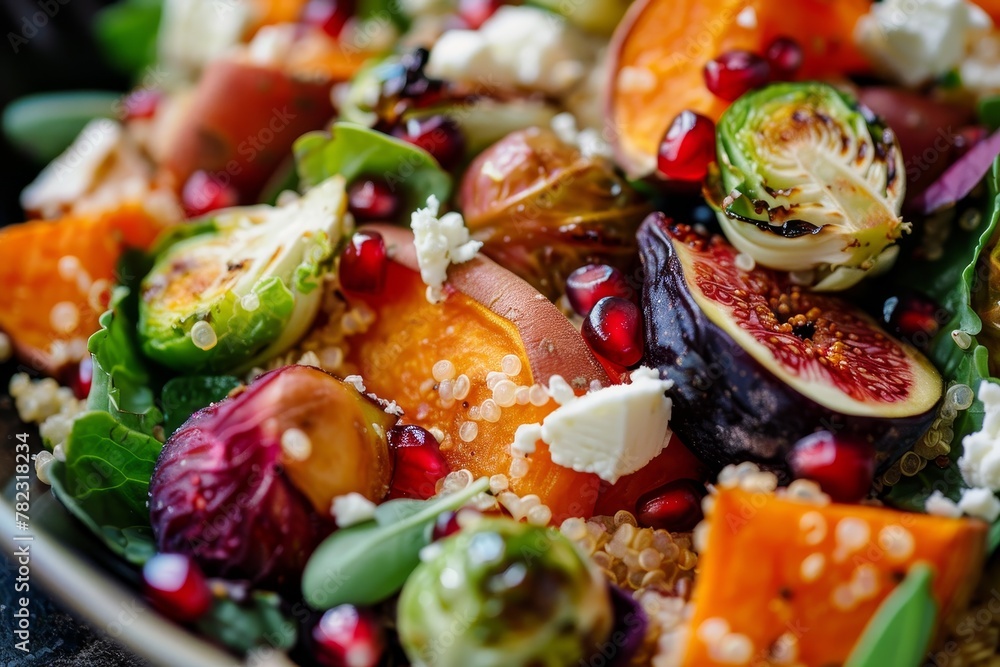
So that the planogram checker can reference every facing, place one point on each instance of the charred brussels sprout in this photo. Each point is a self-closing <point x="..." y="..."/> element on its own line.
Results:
<point x="224" y="300"/>
<point x="810" y="181"/>
<point x="502" y="593"/>
<point x="543" y="208"/>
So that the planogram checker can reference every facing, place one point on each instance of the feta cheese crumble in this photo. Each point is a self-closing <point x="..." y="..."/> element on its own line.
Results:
<point x="980" y="460"/>
<point x="517" y="47"/>
<point x="613" y="431"/>
<point x="980" y="503"/>
<point x="913" y="41"/>
<point x="351" y="509"/>
<point x="439" y="242"/>
<point x="939" y="504"/>
<point x="588" y="140"/>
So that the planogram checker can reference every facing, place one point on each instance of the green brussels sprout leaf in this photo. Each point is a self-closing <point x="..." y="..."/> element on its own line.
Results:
<point x="508" y="594"/>
<point x="369" y="562"/>
<point x="104" y="482"/>
<point x="810" y="181"/>
<point x="225" y="300"/>
<point x="354" y="151"/>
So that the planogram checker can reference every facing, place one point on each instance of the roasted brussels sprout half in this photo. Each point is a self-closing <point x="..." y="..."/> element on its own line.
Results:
<point x="543" y="208"/>
<point x="504" y="594"/>
<point x="229" y="298"/>
<point x="810" y="181"/>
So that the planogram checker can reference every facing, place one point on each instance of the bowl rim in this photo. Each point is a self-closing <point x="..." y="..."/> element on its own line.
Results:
<point x="108" y="606"/>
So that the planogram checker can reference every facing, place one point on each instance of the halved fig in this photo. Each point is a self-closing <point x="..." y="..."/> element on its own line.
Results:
<point x="491" y="321"/>
<point x="758" y="362"/>
<point x="661" y="46"/>
<point x="246" y="485"/>
<point x="543" y="208"/>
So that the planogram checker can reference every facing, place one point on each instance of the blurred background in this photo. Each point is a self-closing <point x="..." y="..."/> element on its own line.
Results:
<point x="60" y="54"/>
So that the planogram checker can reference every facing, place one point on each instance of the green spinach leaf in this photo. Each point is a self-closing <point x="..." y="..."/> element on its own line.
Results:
<point x="950" y="281"/>
<point x="354" y="151"/>
<point x="183" y="396"/>
<point x="369" y="562"/>
<point x="104" y="482"/>
<point x="903" y="625"/>
<point x="126" y="33"/>
<point x="258" y="622"/>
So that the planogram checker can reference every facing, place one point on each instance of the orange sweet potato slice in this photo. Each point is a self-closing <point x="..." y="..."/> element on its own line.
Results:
<point x="56" y="276"/>
<point x="780" y="572"/>
<point x="488" y="313"/>
<point x="661" y="46"/>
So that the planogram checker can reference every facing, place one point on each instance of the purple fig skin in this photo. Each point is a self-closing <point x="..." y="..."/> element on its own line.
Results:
<point x="727" y="406"/>
<point x="218" y="493"/>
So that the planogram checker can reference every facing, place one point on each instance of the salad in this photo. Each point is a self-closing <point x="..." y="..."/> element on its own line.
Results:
<point x="472" y="333"/>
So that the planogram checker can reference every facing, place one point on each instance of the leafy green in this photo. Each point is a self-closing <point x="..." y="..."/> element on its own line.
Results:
<point x="989" y="112"/>
<point x="243" y="626"/>
<point x="126" y="33"/>
<point x="354" y="151"/>
<point x="104" y="482"/>
<point x="903" y="625"/>
<point x="45" y="125"/>
<point x="369" y="562"/>
<point x="950" y="281"/>
<point x="183" y="396"/>
<point x="122" y="383"/>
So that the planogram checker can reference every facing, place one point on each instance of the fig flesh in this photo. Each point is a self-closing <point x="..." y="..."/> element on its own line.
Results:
<point x="759" y="362"/>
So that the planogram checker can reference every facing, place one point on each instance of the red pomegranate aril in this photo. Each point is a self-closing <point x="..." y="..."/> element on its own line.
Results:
<point x="418" y="463"/>
<point x="438" y="135"/>
<point x="141" y="103"/>
<point x="913" y="317"/>
<point x="613" y="329"/>
<point x="785" y="57"/>
<point x="475" y="12"/>
<point x="371" y="200"/>
<point x="204" y="192"/>
<point x="687" y="148"/>
<point x="176" y="586"/>
<point x="329" y="15"/>
<point x="364" y="263"/>
<point x="844" y="467"/>
<point x="675" y="506"/>
<point x="735" y="72"/>
<point x="591" y="283"/>
<point x="346" y="636"/>
<point x="84" y="377"/>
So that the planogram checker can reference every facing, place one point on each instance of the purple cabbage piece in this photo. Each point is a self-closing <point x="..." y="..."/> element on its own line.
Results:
<point x="961" y="177"/>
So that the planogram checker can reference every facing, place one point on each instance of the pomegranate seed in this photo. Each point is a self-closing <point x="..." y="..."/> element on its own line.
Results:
<point x="445" y="525"/>
<point x="736" y="72"/>
<point x="206" y="192"/>
<point x="371" y="200"/>
<point x="329" y="15"/>
<point x="175" y="585"/>
<point x="475" y="12"/>
<point x="438" y="135"/>
<point x="675" y="506"/>
<point x="843" y="467"/>
<point x="967" y="137"/>
<point x="141" y="103"/>
<point x="785" y="57"/>
<point x="418" y="463"/>
<point x="913" y="316"/>
<point x="591" y="283"/>
<point x="614" y="330"/>
<point x="346" y="636"/>
<point x="84" y="377"/>
<point x="687" y="148"/>
<point x="363" y="264"/>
